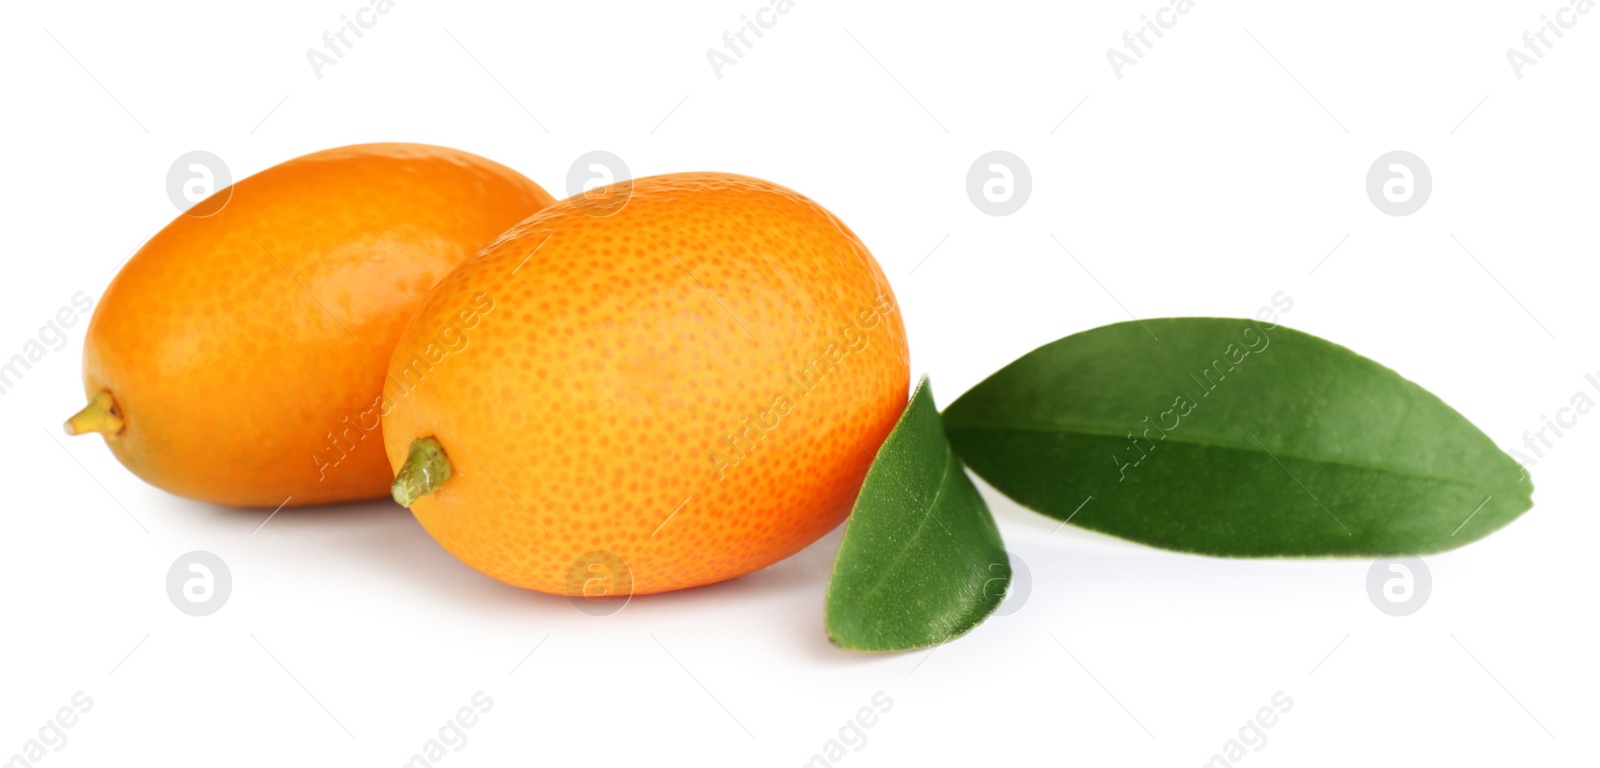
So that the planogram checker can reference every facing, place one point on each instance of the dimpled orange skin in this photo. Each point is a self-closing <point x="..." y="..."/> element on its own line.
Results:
<point x="237" y="344"/>
<point x="583" y="414"/>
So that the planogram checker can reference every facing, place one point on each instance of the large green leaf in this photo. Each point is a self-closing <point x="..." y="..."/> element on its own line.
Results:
<point x="1233" y="437"/>
<point x="921" y="561"/>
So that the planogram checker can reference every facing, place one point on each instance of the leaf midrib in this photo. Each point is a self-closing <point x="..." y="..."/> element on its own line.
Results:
<point x="949" y="460"/>
<point x="1063" y="429"/>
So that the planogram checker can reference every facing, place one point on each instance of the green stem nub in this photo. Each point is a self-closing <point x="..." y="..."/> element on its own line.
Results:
<point x="425" y="471"/>
<point x="100" y="415"/>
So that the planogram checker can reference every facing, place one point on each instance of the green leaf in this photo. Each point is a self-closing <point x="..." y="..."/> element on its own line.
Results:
<point x="1234" y="437"/>
<point x="921" y="562"/>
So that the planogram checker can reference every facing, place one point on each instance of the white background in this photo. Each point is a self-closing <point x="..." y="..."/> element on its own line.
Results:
<point x="1201" y="182"/>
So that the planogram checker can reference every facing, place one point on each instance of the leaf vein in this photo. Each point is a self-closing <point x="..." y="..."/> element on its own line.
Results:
<point x="932" y="510"/>
<point x="1062" y="430"/>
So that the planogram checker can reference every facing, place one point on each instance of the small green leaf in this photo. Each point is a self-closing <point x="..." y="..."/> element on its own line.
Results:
<point x="1238" y="438"/>
<point x="921" y="562"/>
